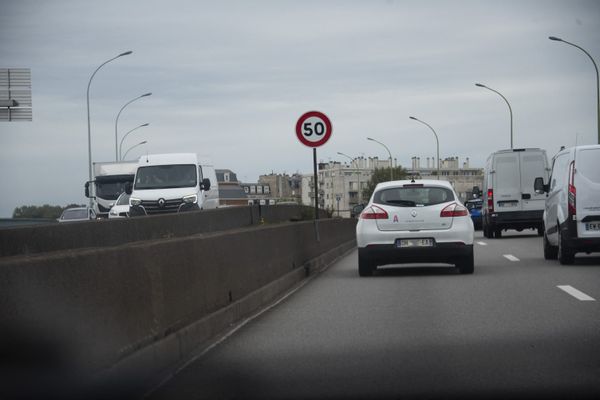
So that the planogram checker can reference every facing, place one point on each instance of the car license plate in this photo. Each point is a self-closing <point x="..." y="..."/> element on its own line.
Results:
<point x="414" y="243"/>
<point x="593" y="226"/>
<point x="510" y="204"/>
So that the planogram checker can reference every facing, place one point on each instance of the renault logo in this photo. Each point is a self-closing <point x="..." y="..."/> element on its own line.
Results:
<point x="413" y="213"/>
<point x="161" y="203"/>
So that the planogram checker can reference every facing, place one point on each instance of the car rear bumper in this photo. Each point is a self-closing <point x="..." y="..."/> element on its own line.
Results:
<point x="382" y="254"/>
<point x="515" y="219"/>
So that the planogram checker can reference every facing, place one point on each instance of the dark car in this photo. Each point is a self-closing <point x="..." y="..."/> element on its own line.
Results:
<point x="474" y="207"/>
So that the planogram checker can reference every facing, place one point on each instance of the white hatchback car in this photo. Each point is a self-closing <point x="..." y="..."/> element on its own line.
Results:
<point x="412" y="221"/>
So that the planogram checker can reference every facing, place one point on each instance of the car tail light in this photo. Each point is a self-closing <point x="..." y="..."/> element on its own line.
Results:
<point x="454" y="210"/>
<point x="374" y="212"/>
<point x="572" y="191"/>
<point x="490" y="200"/>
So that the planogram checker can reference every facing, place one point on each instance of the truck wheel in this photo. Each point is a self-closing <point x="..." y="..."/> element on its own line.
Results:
<point x="365" y="266"/>
<point x="566" y="256"/>
<point x="550" y="252"/>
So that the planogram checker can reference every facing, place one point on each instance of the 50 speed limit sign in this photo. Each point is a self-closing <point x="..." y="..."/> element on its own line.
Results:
<point x="313" y="129"/>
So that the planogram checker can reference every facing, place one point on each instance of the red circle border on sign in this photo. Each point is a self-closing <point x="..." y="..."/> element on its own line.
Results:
<point x="303" y="118"/>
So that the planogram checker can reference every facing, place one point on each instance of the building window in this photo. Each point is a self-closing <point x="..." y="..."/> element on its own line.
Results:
<point x="246" y="189"/>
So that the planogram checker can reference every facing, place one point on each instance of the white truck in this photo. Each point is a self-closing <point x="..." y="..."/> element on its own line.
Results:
<point x="109" y="182"/>
<point x="170" y="183"/>
<point x="509" y="201"/>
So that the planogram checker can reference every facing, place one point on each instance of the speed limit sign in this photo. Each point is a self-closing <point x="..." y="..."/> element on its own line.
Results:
<point x="313" y="129"/>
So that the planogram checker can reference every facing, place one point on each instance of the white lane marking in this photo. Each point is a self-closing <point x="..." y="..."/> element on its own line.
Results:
<point x="511" y="257"/>
<point x="579" y="295"/>
<point x="482" y="243"/>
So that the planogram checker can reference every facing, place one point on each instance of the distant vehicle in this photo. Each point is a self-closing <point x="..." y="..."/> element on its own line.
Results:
<point x="109" y="182"/>
<point x="474" y="207"/>
<point x="121" y="207"/>
<point x="76" y="214"/>
<point x="509" y="201"/>
<point x="414" y="221"/>
<point x="356" y="210"/>
<point x="572" y="209"/>
<point x="171" y="183"/>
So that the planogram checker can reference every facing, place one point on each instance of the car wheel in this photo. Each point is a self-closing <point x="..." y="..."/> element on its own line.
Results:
<point x="365" y="266"/>
<point x="550" y="252"/>
<point x="565" y="254"/>
<point x="466" y="265"/>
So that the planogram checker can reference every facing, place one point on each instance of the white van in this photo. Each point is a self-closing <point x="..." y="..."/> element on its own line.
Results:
<point x="509" y="201"/>
<point x="169" y="183"/>
<point x="572" y="211"/>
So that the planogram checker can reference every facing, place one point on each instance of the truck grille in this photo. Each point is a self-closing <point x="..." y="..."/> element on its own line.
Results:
<point x="170" y="206"/>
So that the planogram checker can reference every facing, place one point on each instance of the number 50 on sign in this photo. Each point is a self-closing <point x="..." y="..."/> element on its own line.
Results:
<point x="313" y="129"/>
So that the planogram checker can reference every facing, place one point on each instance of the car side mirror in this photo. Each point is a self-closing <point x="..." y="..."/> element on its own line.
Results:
<point x="87" y="189"/>
<point x="205" y="185"/>
<point x="539" y="187"/>
<point x="128" y="187"/>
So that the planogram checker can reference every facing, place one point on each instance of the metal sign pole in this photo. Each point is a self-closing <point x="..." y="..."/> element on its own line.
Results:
<point x="316" y="183"/>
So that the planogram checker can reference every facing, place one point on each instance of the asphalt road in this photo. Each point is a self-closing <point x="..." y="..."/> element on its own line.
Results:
<point x="506" y="331"/>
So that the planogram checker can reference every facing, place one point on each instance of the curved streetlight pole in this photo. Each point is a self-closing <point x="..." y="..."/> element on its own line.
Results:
<point x="437" y="143"/>
<point x="597" y="77"/>
<point x="133" y="147"/>
<point x="390" y="153"/>
<point x="509" y="109"/>
<point x="124" y="136"/>
<point x="117" y="152"/>
<point x="88" y="114"/>
<point x="358" y="170"/>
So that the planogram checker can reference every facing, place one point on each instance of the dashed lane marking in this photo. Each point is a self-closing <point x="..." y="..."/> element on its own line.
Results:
<point x="579" y="295"/>
<point x="511" y="257"/>
<point x="482" y="243"/>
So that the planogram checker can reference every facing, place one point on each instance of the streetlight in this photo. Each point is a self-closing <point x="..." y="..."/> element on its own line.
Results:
<point x="390" y="153"/>
<point x="88" y="114"/>
<point x="509" y="109"/>
<point x="133" y="147"/>
<point x="597" y="77"/>
<point x="437" y="142"/>
<point x="358" y="170"/>
<point x="124" y="136"/>
<point x="118" y="152"/>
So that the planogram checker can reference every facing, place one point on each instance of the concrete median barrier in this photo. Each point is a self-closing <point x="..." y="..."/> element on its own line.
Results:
<point x="134" y="310"/>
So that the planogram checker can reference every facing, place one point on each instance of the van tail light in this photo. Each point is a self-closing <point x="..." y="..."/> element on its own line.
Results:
<point x="454" y="210"/>
<point x="490" y="200"/>
<point x="572" y="192"/>
<point x="374" y="212"/>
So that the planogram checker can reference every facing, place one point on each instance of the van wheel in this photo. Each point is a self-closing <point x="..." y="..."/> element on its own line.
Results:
<point x="540" y="230"/>
<point x="550" y="252"/>
<point x="565" y="254"/>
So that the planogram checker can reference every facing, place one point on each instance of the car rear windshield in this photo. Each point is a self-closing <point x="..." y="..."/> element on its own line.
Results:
<point x="75" y="214"/>
<point x="588" y="164"/>
<point x="418" y="196"/>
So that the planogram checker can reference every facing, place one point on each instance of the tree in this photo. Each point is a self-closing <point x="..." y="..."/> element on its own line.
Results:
<point x="382" y="175"/>
<point x="46" y="211"/>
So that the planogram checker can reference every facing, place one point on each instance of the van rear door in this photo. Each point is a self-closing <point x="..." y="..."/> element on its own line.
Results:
<point x="587" y="187"/>
<point x="533" y="164"/>
<point x="507" y="182"/>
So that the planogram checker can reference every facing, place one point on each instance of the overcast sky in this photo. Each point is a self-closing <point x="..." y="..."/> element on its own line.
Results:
<point x="230" y="78"/>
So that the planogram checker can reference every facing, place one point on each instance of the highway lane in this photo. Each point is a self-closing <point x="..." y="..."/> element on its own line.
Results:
<point x="506" y="330"/>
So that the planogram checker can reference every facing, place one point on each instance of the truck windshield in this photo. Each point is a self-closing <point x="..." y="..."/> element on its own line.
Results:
<point x="109" y="190"/>
<point x="166" y="177"/>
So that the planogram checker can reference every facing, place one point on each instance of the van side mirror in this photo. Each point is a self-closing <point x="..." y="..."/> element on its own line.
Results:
<point x="476" y="192"/>
<point x="87" y="189"/>
<point x="205" y="185"/>
<point x="128" y="187"/>
<point x="539" y="187"/>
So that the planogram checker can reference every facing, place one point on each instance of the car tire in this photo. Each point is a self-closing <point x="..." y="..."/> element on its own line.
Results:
<point x="365" y="266"/>
<point x="466" y="265"/>
<point x="550" y="252"/>
<point x="566" y="256"/>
